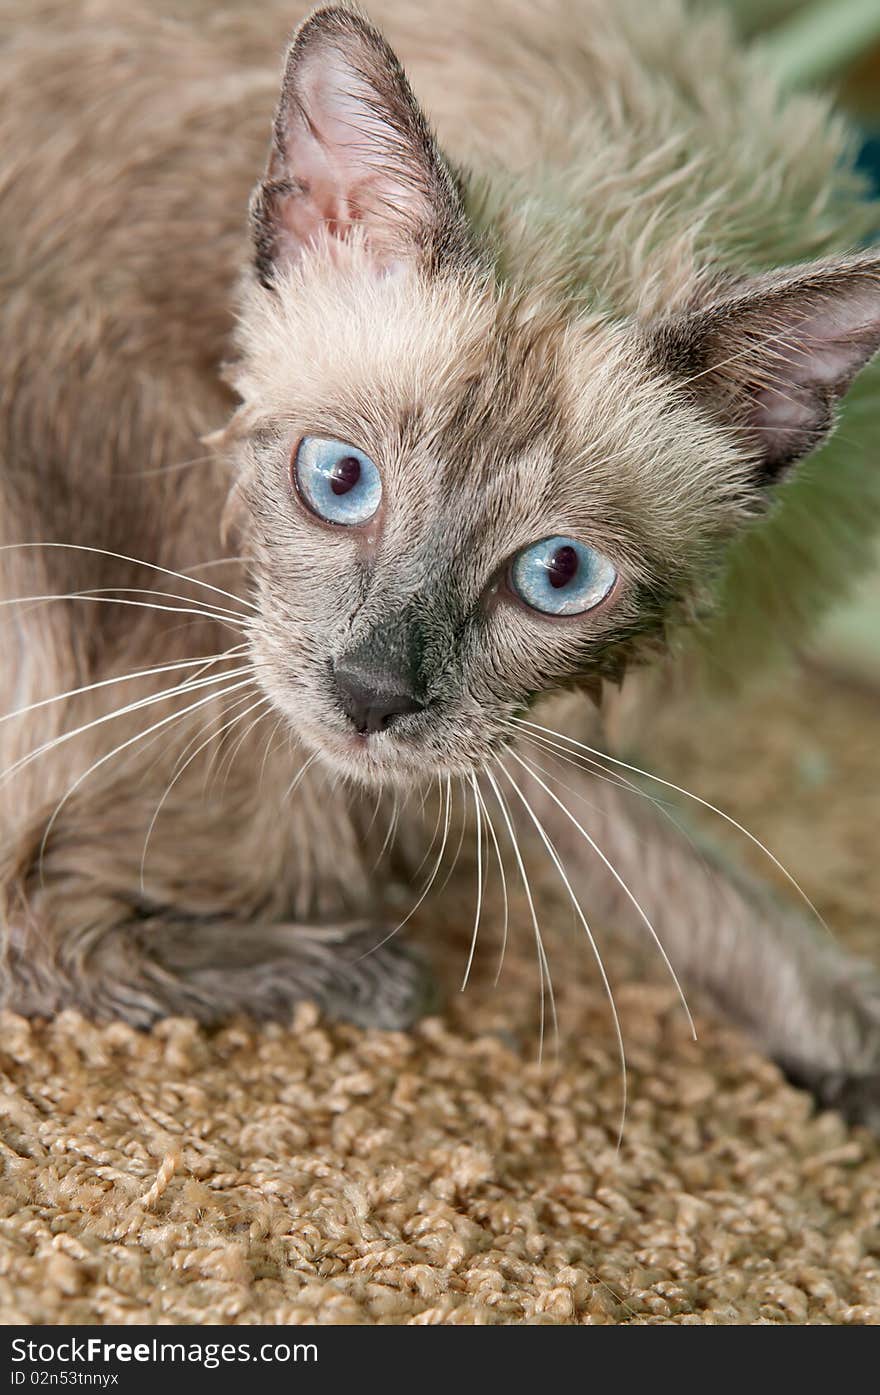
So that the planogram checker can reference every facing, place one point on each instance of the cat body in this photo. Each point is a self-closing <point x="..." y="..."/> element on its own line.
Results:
<point x="611" y="306"/>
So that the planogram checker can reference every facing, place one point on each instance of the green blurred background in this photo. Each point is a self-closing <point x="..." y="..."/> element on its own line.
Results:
<point x="833" y="44"/>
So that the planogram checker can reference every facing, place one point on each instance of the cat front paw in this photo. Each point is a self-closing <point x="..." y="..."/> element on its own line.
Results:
<point x="848" y="1078"/>
<point x="359" y="973"/>
<point x="369" y="977"/>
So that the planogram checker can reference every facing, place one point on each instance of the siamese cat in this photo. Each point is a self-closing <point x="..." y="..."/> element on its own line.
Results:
<point x="528" y="353"/>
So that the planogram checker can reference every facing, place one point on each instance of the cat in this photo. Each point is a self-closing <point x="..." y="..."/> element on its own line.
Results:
<point x="515" y="410"/>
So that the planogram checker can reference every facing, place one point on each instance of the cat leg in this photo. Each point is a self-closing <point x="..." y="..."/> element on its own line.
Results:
<point x="212" y="971"/>
<point x="813" y="1007"/>
<point x="74" y="937"/>
<point x="160" y="966"/>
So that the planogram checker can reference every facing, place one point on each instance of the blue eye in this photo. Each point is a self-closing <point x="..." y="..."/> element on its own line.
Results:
<point x="337" y="481"/>
<point x="560" y="576"/>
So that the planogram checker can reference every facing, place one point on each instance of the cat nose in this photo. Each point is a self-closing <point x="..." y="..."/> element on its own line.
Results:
<point x="373" y="701"/>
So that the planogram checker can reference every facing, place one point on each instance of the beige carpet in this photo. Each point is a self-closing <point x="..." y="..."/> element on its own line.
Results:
<point x="326" y="1175"/>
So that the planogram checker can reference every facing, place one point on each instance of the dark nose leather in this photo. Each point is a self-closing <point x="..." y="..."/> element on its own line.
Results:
<point x="373" y="701"/>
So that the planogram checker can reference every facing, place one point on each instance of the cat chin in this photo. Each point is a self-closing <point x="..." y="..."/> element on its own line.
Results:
<point x="376" y="761"/>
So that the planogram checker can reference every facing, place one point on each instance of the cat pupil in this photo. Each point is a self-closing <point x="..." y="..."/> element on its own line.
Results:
<point x="562" y="566"/>
<point x="346" y="473"/>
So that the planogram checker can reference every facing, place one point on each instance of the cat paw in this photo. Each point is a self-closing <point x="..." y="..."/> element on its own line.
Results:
<point x="373" y="981"/>
<point x="848" y="1079"/>
<point x="355" y="973"/>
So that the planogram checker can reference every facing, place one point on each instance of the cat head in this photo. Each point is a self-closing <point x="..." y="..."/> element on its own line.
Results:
<point x="459" y="493"/>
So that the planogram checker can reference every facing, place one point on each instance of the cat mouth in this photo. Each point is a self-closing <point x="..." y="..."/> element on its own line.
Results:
<point x="374" y="757"/>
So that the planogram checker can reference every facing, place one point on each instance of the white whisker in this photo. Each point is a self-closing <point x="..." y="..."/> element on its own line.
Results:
<point x="298" y="777"/>
<point x="390" y="832"/>
<point x="609" y="777"/>
<point x="136" y="561"/>
<point x="557" y="862"/>
<point x="122" y="678"/>
<point x="215" y="562"/>
<point x="688" y="794"/>
<point x="373" y="817"/>
<point x="457" y="853"/>
<point x="116" y="592"/>
<point x="205" y="607"/>
<point x="430" y="846"/>
<point x="132" y="741"/>
<point x="500" y="860"/>
<point x="530" y="769"/>
<point x="179" y="772"/>
<point x="467" y="972"/>
<point x="263" y="703"/>
<point x="430" y="882"/>
<point x="596" y="771"/>
<point x="189" y="686"/>
<point x="543" y="963"/>
<point x="270" y="744"/>
<point x="222" y="618"/>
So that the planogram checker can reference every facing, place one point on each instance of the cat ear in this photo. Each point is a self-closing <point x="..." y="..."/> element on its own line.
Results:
<point x="352" y="149"/>
<point x="772" y="357"/>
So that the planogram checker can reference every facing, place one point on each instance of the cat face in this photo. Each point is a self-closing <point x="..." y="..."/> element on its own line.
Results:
<point x="459" y="494"/>
<point x="494" y="531"/>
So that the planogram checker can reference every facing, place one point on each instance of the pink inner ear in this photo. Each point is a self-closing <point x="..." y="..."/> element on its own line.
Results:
<point x="348" y="160"/>
<point x="318" y="208"/>
<point x="808" y="353"/>
<point x="789" y="407"/>
<point x="834" y="340"/>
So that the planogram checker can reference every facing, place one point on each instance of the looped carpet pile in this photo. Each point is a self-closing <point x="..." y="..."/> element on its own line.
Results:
<point x="324" y="1174"/>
